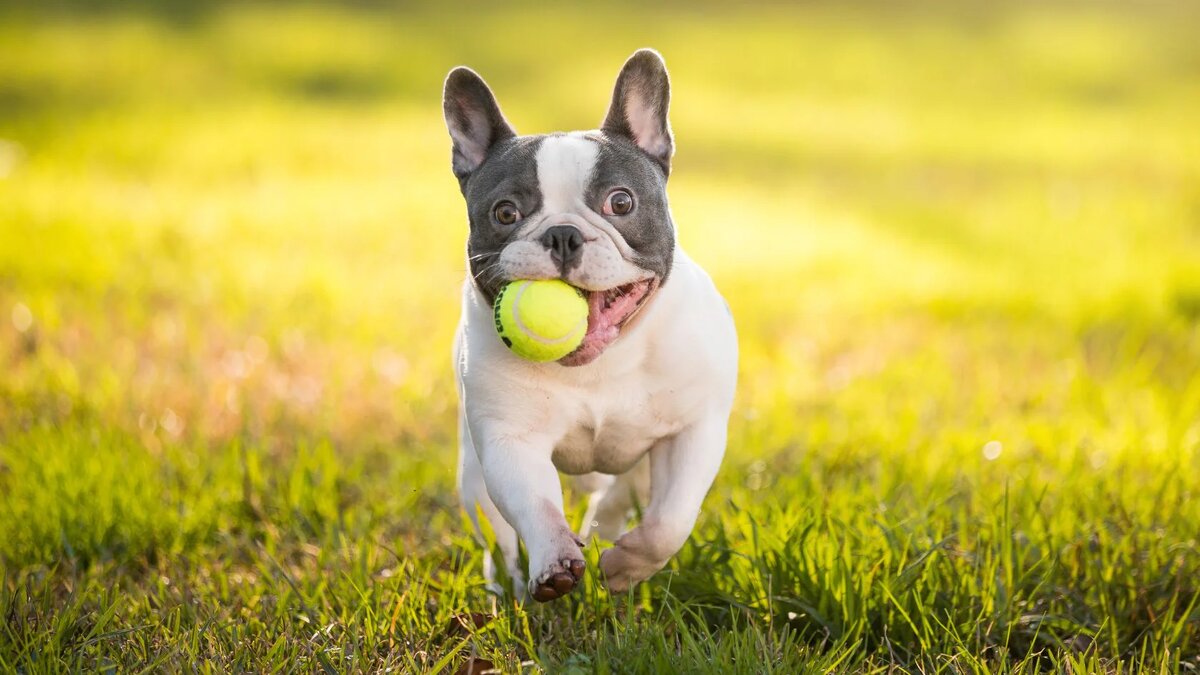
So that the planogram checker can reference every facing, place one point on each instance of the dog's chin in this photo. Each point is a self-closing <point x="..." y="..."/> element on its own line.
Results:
<point x="609" y="312"/>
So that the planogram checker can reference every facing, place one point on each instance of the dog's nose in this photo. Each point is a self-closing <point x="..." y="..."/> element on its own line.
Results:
<point x="565" y="244"/>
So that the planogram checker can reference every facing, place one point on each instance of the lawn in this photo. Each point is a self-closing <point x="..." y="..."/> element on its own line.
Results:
<point x="961" y="243"/>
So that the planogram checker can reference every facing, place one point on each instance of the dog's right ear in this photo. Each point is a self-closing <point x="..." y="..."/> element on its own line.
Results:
<point x="639" y="107"/>
<point x="473" y="118"/>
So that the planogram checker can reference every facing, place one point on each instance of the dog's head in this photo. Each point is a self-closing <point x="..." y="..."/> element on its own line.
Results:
<point x="587" y="207"/>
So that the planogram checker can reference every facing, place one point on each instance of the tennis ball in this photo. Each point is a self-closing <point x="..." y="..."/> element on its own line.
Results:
<point x="541" y="320"/>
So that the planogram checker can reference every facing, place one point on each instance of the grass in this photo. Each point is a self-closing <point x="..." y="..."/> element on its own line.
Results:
<point x="961" y="244"/>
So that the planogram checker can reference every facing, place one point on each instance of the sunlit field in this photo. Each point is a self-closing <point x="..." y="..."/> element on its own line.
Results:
<point x="961" y="244"/>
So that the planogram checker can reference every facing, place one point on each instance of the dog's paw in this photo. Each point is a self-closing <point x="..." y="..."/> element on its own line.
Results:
<point x="558" y="579"/>
<point x="621" y="569"/>
<point x="636" y="556"/>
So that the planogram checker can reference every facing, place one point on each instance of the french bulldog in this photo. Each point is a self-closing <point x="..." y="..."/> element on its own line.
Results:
<point x="639" y="410"/>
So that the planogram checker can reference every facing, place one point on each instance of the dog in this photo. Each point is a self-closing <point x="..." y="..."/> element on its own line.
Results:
<point x="640" y="409"/>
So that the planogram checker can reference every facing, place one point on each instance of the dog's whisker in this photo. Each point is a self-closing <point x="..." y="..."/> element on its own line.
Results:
<point x="487" y="269"/>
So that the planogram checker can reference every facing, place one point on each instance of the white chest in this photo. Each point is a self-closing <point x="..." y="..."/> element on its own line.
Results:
<point x="611" y="435"/>
<point x="679" y="366"/>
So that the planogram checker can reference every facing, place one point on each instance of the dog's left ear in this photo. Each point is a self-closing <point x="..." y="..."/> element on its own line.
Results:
<point x="639" y="107"/>
<point x="474" y="120"/>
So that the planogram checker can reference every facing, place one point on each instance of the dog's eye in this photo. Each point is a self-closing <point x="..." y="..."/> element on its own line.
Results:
<point x="506" y="213"/>
<point x="619" y="203"/>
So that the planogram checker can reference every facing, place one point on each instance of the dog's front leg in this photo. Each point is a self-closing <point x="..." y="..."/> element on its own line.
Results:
<point x="682" y="469"/>
<point x="523" y="483"/>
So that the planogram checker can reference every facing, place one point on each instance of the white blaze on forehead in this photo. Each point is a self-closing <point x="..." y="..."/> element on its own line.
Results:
<point x="564" y="167"/>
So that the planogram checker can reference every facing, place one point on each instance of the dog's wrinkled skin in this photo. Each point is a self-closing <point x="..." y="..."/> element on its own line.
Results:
<point x="639" y="411"/>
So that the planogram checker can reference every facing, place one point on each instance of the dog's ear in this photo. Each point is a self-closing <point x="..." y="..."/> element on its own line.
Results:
<point x="639" y="106"/>
<point x="473" y="118"/>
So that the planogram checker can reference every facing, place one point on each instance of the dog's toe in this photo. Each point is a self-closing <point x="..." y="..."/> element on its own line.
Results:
<point x="554" y="587"/>
<point x="576" y="568"/>
<point x="544" y="593"/>
<point x="562" y="583"/>
<point x="554" y="583"/>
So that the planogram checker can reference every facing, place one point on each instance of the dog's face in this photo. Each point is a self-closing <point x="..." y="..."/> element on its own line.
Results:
<point x="587" y="207"/>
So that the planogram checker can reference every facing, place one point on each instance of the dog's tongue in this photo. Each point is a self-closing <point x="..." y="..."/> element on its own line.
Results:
<point x="606" y="311"/>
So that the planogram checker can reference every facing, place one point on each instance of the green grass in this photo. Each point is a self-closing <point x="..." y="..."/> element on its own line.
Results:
<point x="962" y="245"/>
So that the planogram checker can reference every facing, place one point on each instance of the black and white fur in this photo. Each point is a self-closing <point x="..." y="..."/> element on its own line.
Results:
<point x="641" y="417"/>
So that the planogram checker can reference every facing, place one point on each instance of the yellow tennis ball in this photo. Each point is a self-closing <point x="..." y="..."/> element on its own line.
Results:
<point x="541" y="320"/>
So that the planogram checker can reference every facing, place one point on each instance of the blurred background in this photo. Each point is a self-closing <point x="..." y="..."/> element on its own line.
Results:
<point x="961" y="242"/>
<point x="221" y="219"/>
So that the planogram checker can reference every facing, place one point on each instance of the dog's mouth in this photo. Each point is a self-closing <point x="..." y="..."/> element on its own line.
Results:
<point x="608" y="312"/>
